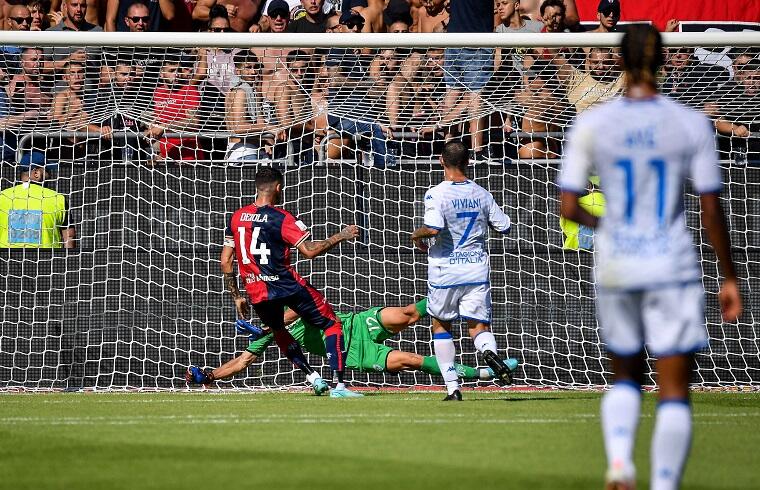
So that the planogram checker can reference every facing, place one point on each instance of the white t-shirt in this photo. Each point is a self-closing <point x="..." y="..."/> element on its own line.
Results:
<point x="643" y="152"/>
<point x="462" y="212"/>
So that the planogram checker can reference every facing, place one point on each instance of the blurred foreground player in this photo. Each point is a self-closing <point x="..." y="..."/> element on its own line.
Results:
<point x="649" y="283"/>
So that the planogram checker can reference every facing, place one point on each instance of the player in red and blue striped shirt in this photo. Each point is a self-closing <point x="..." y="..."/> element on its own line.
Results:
<point x="260" y="236"/>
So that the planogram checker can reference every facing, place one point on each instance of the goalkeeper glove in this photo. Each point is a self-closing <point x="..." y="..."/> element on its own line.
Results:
<point x="254" y="332"/>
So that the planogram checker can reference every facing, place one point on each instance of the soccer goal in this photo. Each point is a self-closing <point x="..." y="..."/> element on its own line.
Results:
<point x="154" y="140"/>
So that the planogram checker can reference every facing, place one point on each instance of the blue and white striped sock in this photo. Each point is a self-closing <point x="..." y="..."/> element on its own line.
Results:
<point x="445" y="354"/>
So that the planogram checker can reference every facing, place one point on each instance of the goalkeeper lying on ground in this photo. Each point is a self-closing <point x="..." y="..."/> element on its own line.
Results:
<point x="364" y="334"/>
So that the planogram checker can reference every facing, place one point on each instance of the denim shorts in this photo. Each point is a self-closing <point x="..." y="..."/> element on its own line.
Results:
<point x="467" y="68"/>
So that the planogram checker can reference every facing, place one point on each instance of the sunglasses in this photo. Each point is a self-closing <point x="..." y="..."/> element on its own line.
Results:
<point x="220" y="29"/>
<point x="352" y="24"/>
<point x="280" y="14"/>
<point x="144" y="19"/>
<point x="21" y="20"/>
<point x="611" y="13"/>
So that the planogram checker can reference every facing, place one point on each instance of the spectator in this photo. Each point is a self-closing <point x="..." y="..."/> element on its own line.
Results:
<point x="554" y="15"/>
<point x="738" y="111"/>
<point x="691" y="82"/>
<point x="243" y="112"/>
<point x="599" y="80"/>
<point x="467" y="70"/>
<point x="241" y="12"/>
<point x="370" y="10"/>
<point x="278" y="15"/>
<point x="24" y="90"/>
<point x="544" y="106"/>
<point x="431" y="16"/>
<point x="57" y="58"/>
<point x="124" y="93"/>
<point x="19" y="19"/>
<point x="351" y="93"/>
<point x="68" y="105"/>
<point x="398" y="27"/>
<point x="31" y="215"/>
<point x="512" y="21"/>
<point x="92" y="10"/>
<point x="175" y="106"/>
<point x="384" y="66"/>
<point x="138" y="16"/>
<point x="39" y="11"/>
<point x="313" y="19"/>
<point x="414" y="97"/>
<point x="608" y="15"/>
<point x="532" y="10"/>
<point x="294" y="107"/>
<point x="398" y="12"/>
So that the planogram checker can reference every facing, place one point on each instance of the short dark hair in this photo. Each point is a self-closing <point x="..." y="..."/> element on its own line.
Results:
<point x="455" y="155"/>
<point x="246" y="56"/>
<point x="554" y="3"/>
<point x="217" y="11"/>
<point x="642" y="53"/>
<point x="267" y="177"/>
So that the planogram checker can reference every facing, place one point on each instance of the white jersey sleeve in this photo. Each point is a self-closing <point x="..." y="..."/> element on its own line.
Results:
<point x="705" y="171"/>
<point x="578" y="159"/>
<point x="498" y="219"/>
<point x="433" y="213"/>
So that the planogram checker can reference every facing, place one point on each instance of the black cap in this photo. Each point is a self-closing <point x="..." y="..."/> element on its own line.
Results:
<point x="608" y="5"/>
<point x="278" y="6"/>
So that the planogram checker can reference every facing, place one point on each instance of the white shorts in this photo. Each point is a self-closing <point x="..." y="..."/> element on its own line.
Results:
<point x="669" y="321"/>
<point x="466" y="302"/>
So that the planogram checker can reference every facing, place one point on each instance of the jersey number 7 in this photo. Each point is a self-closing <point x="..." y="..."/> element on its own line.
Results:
<point x="262" y="251"/>
<point x="472" y="215"/>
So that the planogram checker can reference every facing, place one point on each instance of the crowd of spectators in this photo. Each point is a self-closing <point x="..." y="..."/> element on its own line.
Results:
<point x="238" y="105"/>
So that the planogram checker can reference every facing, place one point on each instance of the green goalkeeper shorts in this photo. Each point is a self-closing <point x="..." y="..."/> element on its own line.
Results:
<point x="366" y="350"/>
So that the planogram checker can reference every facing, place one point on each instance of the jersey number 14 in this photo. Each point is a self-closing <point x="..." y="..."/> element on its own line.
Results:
<point x="262" y="251"/>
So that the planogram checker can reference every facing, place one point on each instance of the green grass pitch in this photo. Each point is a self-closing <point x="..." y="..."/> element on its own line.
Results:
<point x="383" y="441"/>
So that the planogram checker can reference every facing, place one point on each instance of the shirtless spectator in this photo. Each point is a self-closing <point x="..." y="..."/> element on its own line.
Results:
<point x="241" y="12"/>
<point x="397" y="11"/>
<point x="599" y="80"/>
<point x="544" y="106"/>
<point x="399" y="26"/>
<point x="68" y="110"/>
<point x="313" y="19"/>
<point x="19" y="18"/>
<point x="93" y="9"/>
<point x="415" y="95"/>
<point x="176" y="103"/>
<point x="243" y="114"/>
<point x="371" y="10"/>
<point x="26" y="102"/>
<point x="430" y="15"/>
<point x="139" y="15"/>
<point x="295" y="111"/>
<point x="608" y="15"/>
<point x="24" y="90"/>
<point x="39" y="11"/>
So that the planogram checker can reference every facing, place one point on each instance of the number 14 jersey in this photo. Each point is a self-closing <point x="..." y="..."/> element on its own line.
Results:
<point x="262" y="238"/>
<point x="462" y="213"/>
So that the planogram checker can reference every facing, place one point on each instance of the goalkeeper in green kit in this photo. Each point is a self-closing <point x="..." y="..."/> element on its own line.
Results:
<point x="364" y="334"/>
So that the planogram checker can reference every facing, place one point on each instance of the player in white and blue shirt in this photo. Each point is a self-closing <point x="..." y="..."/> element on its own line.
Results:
<point x="458" y="214"/>
<point x="644" y="147"/>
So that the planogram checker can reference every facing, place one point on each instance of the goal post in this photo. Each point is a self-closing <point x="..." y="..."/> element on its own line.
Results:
<point x="155" y="139"/>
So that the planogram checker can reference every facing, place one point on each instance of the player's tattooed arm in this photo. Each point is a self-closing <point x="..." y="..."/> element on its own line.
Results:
<point x="421" y="234"/>
<point x="311" y="249"/>
<point x="230" y="281"/>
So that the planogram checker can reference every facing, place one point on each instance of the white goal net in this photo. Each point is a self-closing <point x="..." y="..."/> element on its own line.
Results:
<point x="154" y="146"/>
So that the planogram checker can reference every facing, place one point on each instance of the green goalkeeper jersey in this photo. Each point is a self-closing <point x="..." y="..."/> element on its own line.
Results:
<point x="364" y="327"/>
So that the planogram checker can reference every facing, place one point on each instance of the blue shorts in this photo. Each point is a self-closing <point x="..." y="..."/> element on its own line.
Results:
<point x="467" y="68"/>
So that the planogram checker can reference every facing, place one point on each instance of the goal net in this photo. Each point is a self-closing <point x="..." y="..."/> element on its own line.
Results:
<point x="154" y="146"/>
